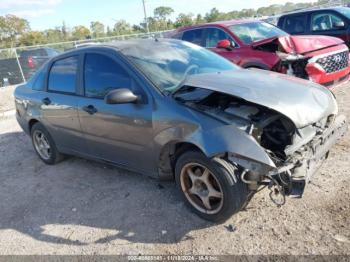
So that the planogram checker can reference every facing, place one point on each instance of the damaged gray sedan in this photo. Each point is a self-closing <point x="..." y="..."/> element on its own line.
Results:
<point x="174" y="110"/>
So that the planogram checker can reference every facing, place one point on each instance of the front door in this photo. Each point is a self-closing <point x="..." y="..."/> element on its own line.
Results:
<point x="331" y="24"/>
<point x="120" y="133"/>
<point x="211" y="39"/>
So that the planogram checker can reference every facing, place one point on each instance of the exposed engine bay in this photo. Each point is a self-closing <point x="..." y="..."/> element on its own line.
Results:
<point x="290" y="63"/>
<point x="272" y="130"/>
<point x="296" y="152"/>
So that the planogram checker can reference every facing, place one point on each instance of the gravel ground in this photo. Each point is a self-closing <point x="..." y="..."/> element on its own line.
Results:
<point x="6" y="99"/>
<point x="82" y="207"/>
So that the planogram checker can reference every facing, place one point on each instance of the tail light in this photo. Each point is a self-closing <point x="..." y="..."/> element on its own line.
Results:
<point x="31" y="62"/>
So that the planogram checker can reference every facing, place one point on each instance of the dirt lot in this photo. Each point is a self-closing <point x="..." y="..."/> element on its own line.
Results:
<point x="81" y="207"/>
<point x="6" y="99"/>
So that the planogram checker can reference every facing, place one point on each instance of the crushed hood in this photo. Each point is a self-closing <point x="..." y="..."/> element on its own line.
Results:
<point x="302" y="44"/>
<point x="303" y="102"/>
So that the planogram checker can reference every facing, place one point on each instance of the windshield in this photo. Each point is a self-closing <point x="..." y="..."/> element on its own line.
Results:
<point x="167" y="63"/>
<point x="255" y="31"/>
<point x="345" y="11"/>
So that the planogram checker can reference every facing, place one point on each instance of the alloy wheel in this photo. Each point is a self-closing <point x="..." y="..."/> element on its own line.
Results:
<point x="41" y="144"/>
<point x="201" y="188"/>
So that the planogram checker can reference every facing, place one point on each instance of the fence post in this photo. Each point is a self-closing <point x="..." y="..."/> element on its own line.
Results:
<point x="19" y="65"/>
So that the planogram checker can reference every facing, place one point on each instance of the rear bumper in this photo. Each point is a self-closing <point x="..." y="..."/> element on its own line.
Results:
<point x="22" y="123"/>
<point x="317" y="74"/>
<point x="306" y="161"/>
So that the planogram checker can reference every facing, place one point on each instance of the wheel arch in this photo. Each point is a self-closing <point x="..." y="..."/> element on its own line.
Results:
<point x="168" y="155"/>
<point x="31" y="123"/>
<point x="221" y="141"/>
<point x="256" y="65"/>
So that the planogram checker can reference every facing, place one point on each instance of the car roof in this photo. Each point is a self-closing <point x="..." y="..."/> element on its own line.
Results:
<point x="298" y="12"/>
<point x="119" y="45"/>
<point x="221" y="23"/>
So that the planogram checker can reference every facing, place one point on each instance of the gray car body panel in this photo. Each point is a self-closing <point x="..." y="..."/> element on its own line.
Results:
<point x="211" y="136"/>
<point x="167" y="122"/>
<point x="301" y="101"/>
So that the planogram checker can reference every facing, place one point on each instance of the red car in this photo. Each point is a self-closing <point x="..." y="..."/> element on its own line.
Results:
<point x="257" y="44"/>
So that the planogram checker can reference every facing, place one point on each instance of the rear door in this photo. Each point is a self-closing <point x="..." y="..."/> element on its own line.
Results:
<point x="295" y="24"/>
<point x="59" y="104"/>
<point x="120" y="133"/>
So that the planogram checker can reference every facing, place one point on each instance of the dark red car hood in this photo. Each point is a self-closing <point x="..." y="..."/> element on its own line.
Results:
<point x="302" y="44"/>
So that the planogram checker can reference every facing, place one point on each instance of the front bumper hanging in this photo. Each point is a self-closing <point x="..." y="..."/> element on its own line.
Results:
<point x="301" y="168"/>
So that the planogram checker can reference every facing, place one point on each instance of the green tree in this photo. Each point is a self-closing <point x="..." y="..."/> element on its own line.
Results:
<point x="162" y="12"/>
<point x="80" y="32"/>
<point x="12" y="26"/>
<point x="213" y="15"/>
<point x="246" y="13"/>
<point x="121" y="27"/>
<point x="54" y="35"/>
<point x="160" y="20"/>
<point x="97" y="29"/>
<point x="32" y="38"/>
<point x="184" y="20"/>
<point x="16" y="31"/>
<point x="137" y="29"/>
<point x="64" y="31"/>
<point x="199" y="19"/>
<point x="109" y="32"/>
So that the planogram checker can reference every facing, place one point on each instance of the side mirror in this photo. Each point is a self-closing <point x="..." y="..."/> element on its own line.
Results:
<point x="121" y="96"/>
<point x="339" y="24"/>
<point x="226" y="44"/>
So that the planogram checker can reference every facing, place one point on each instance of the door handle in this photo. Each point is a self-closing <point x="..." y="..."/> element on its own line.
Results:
<point x="90" y="109"/>
<point x="46" y="101"/>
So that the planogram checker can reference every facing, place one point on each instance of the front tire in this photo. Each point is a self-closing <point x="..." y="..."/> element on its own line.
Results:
<point x="44" y="145"/>
<point x="208" y="186"/>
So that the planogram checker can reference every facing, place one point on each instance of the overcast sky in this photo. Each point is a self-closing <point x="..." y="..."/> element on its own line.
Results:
<point x="43" y="14"/>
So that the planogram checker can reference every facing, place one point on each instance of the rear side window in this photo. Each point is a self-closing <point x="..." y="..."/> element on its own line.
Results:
<point x="102" y="74"/>
<point x="194" y="36"/>
<point x="52" y="52"/>
<point x="214" y="35"/>
<point x="63" y="75"/>
<point x="34" y="52"/>
<point x="39" y="81"/>
<point x="177" y="35"/>
<point x="295" y="24"/>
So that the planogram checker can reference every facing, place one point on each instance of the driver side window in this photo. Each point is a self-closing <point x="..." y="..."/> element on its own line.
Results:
<point x="214" y="35"/>
<point x="102" y="74"/>
<point x="325" y="21"/>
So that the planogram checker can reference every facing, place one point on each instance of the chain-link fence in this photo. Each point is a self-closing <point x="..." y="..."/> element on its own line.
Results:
<point x="17" y="65"/>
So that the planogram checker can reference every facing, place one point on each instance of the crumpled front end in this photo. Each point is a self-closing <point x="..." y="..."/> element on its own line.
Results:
<point x="321" y="59"/>
<point x="329" y="69"/>
<point x="310" y="148"/>
<point x="263" y="135"/>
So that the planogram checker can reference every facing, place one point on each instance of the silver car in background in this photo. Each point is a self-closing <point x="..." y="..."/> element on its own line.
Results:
<point x="173" y="110"/>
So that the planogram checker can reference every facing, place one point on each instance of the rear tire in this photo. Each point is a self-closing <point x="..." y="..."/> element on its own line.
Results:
<point x="44" y="145"/>
<point x="212" y="189"/>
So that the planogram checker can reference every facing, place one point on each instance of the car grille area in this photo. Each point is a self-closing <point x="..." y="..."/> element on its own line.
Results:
<point x="335" y="62"/>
